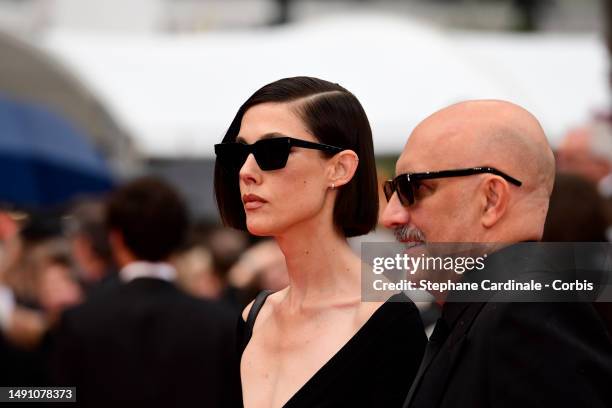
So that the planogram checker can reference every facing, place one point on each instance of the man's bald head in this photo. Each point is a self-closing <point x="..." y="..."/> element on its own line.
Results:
<point x="489" y="133"/>
<point x="495" y="134"/>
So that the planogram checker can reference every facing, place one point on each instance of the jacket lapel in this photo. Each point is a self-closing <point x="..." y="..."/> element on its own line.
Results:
<point x="441" y="356"/>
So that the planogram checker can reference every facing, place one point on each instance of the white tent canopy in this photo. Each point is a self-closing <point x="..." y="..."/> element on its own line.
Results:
<point x="178" y="94"/>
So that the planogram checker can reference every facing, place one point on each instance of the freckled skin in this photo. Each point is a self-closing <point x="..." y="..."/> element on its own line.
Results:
<point x="278" y="187"/>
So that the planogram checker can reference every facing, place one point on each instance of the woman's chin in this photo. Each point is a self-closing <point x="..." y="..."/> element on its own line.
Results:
<point x="259" y="229"/>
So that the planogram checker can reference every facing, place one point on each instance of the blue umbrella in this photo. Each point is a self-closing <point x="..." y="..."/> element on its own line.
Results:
<point x="43" y="159"/>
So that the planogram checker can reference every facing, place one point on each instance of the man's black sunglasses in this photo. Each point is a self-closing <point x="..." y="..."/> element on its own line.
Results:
<point x="407" y="184"/>
<point x="270" y="154"/>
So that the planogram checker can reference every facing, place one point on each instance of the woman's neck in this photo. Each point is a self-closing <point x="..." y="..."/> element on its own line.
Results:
<point x="322" y="267"/>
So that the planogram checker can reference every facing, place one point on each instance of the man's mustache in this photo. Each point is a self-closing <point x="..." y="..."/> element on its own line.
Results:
<point x="408" y="233"/>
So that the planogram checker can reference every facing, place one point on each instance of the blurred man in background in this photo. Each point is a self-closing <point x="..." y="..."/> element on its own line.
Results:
<point x="144" y="341"/>
<point x="36" y="285"/>
<point x="587" y="152"/>
<point x="90" y="246"/>
<point x="261" y="267"/>
<point x="203" y="264"/>
<point x="577" y="213"/>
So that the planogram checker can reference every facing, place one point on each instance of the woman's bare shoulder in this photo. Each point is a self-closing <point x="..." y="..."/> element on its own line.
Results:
<point x="273" y="299"/>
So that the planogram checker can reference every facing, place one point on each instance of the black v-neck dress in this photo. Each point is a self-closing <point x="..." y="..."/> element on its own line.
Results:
<point x="375" y="368"/>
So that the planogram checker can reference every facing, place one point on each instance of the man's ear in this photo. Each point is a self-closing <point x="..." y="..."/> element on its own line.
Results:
<point x="121" y="253"/>
<point x="495" y="197"/>
<point x="115" y="239"/>
<point x="342" y="168"/>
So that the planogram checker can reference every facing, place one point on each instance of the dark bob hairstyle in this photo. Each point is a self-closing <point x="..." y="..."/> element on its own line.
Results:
<point x="335" y="117"/>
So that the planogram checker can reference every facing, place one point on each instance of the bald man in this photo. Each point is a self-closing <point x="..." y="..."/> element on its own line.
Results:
<point x="490" y="173"/>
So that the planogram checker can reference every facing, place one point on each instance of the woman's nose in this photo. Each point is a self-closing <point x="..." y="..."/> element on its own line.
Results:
<point x="250" y="171"/>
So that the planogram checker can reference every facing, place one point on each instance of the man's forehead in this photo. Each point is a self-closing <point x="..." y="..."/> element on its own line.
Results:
<point x="411" y="162"/>
<point x="420" y="155"/>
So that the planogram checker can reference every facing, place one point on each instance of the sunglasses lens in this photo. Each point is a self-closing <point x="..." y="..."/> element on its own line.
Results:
<point x="405" y="191"/>
<point x="388" y="189"/>
<point x="272" y="154"/>
<point x="231" y="155"/>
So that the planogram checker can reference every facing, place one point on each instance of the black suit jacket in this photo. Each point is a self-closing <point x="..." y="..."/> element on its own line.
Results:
<point x="520" y="355"/>
<point x="147" y="343"/>
<point x="516" y="354"/>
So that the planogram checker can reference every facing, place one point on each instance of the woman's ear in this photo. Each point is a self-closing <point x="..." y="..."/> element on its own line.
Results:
<point x="495" y="196"/>
<point x="342" y="168"/>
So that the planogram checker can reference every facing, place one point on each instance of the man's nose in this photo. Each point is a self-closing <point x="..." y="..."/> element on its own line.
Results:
<point x="395" y="214"/>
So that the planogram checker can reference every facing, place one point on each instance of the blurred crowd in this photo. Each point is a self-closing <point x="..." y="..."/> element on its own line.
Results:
<point x="51" y="263"/>
<point x="54" y="263"/>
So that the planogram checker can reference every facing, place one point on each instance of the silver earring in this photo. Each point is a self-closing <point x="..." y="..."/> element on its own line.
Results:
<point x="333" y="185"/>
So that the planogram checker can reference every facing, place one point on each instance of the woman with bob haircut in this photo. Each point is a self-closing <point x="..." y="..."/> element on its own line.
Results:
<point x="297" y="164"/>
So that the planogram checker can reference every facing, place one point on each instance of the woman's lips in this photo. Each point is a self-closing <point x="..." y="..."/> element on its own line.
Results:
<point x="252" y="201"/>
